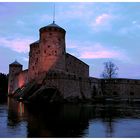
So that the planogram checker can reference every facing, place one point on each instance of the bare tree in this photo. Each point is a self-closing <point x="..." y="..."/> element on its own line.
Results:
<point x="110" y="70"/>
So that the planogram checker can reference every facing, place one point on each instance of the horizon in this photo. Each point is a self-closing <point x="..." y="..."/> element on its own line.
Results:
<point x="95" y="33"/>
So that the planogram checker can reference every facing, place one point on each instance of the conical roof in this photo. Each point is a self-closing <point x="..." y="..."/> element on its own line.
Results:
<point x="52" y="25"/>
<point x="16" y="63"/>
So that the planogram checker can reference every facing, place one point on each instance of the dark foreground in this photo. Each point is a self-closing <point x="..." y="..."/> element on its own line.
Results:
<point x="110" y="120"/>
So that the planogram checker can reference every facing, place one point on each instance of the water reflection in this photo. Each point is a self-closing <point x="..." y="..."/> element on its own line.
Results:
<point x="72" y="120"/>
<point x="63" y="121"/>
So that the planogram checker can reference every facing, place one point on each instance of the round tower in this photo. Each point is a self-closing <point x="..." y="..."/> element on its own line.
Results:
<point x="48" y="53"/>
<point x="52" y="48"/>
<point x="14" y="68"/>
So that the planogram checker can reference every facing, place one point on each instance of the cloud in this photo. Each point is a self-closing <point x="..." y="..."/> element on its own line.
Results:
<point x="20" y="45"/>
<point x="99" y="54"/>
<point x="91" y="50"/>
<point x="102" y="22"/>
<point x="78" y="11"/>
<point x="102" y="19"/>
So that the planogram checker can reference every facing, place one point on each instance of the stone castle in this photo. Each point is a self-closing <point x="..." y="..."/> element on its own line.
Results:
<point x="55" y="70"/>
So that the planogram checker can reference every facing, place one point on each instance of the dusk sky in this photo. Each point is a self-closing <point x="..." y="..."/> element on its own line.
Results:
<point x="95" y="33"/>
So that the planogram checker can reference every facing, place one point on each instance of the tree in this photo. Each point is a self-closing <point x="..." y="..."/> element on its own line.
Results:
<point x="110" y="70"/>
<point x="3" y="86"/>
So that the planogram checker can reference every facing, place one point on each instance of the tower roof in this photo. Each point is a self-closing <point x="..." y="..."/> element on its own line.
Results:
<point x="52" y="25"/>
<point x="16" y="63"/>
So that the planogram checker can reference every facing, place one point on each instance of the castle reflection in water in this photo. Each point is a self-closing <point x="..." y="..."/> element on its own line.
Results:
<point x="73" y="120"/>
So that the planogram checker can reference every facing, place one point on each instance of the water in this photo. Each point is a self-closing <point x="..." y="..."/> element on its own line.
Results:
<point x="19" y="120"/>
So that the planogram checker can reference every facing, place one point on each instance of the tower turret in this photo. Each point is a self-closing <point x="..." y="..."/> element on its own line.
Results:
<point x="14" y="68"/>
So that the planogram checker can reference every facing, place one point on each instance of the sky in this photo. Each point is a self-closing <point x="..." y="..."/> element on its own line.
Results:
<point x="95" y="33"/>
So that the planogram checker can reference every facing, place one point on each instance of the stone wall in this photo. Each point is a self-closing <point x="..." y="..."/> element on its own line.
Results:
<point x="21" y="79"/>
<point x="70" y="86"/>
<point x="95" y="86"/>
<point x="122" y="88"/>
<point x="76" y="66"/>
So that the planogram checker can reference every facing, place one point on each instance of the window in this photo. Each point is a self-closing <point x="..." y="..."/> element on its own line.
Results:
<point x="55" y="52"/>
<point x="44" y="51"/>
<point x="115" y="93"/>
<point x="131" y="93"/>
<point x="49" y="46"/>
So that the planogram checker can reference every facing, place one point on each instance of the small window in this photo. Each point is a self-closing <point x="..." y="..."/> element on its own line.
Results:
<point x="44" y="51"/>
<point x="49" y="46"/>
<point x="115" y="93"/>
<point x="131" y="93"/>
<point x="33" y="67"/>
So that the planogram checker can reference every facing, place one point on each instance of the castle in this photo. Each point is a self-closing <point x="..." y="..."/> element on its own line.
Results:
<point x="52" y="67"/>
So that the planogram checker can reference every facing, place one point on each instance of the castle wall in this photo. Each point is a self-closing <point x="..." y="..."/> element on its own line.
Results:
<point x="123" y="88"/>
<point x="76" y="66"/>
<point x="95" y="87"/>
<point x="21" y="79"/>
<point x="70" y="86"/>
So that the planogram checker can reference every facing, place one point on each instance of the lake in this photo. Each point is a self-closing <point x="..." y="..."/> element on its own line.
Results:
<point x="84" y="121"/>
